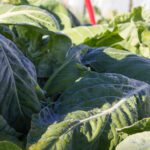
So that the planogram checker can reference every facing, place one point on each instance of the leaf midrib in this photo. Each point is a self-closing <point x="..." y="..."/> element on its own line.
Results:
<point x="12" y="74"/>
<point x="27" y="12"/>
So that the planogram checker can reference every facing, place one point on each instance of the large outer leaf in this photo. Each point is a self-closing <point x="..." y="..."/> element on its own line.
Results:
<point x="139" y="141"/>
<point x="93" y="108"/>
<point x="118" y="61"/>
<point x="18" y="88"/>
<point x="27" y="15"/>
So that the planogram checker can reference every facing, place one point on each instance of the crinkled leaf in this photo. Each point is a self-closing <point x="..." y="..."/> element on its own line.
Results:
<point x="91" y="111"/>
<point x="132" y="33"/>
<point x="139" y="126"/>
<point x="129" y="32"/>
<point x="135" y="15"/>
<point x="18" y="92"/>
<point x="127" y="36"/>
<point x="107" y="38"/>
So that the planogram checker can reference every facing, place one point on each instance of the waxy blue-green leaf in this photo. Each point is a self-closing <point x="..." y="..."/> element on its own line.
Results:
<point x="40" y="122"/>
<point x="91" y="110"/>
<point x="47" y="52"/>
<point x="70" y="70"/>
<point x="112" y="60"/>
<point x="51" y="55"/>
<point x="18" y="86"/>
<point x="139" y="126"/>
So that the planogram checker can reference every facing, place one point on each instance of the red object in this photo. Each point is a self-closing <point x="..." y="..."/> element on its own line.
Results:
<point x="90" y="10"/>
